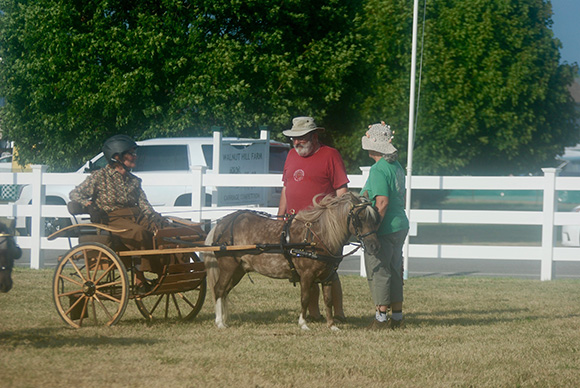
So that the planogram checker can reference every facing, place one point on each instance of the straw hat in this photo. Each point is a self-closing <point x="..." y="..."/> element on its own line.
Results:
<point x="378" y="138"/>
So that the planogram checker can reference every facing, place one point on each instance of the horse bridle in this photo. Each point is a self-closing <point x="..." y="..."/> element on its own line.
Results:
<point x="353" y="217"/>
<point x="5" y="237"/>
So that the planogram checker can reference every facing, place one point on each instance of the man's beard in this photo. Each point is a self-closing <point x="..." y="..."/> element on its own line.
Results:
<point x="305" y="149"/>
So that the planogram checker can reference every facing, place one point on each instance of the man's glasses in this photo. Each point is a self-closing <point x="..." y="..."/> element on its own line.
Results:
<point x="306" y="137"/>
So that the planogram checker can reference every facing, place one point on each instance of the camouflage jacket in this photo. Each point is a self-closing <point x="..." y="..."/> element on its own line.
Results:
<point x="110" y="190"/>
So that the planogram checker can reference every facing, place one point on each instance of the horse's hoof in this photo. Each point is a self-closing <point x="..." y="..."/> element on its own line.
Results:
<point x="221" y="326"/>
<point x="334" y="328"/>
<point x="304" y="327"/>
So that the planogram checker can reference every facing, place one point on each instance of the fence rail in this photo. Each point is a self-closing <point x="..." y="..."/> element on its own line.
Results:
<point x="549" y="218"/>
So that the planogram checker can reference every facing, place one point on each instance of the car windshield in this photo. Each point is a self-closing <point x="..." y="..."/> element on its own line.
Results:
<point x="572" y="168"/>
<point x="162" y="158"/>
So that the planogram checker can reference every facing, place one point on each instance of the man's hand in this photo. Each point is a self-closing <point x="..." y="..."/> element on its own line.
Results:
<point x="158" y="221"/>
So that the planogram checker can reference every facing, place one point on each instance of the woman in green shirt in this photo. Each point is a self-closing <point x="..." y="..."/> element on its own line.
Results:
<point x="385" y="186"/>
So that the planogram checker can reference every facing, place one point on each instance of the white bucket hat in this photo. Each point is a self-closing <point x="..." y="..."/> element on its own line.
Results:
<point x="378" y="138"/>
<point x="301" y="126"/>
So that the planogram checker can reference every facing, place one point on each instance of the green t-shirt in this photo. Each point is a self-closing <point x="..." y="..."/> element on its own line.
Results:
<point x="388" y="179"/>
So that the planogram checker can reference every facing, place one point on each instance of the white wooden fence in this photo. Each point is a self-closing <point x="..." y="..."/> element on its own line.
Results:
<point x="549" y="218"/>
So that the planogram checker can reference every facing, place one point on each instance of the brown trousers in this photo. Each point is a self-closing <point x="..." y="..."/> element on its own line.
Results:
<point x="138" y="234"/>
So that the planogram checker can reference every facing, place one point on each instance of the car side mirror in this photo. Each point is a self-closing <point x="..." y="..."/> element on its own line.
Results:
<point x="90" y="168"/>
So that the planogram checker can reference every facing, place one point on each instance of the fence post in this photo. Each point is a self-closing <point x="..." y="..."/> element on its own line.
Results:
<point x="197" y="192"/>
<point x="217" y="152"/>
<point x="548" y="211"/>
<point x="37" y="222"/>
<point x="363" y="270"/>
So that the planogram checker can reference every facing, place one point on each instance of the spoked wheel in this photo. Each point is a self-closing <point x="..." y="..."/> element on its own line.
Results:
<point x="180" y="293"/>
<point x="90" y="286"/>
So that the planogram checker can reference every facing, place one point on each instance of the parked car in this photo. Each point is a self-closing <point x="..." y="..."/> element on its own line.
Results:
<point x="570" y="167"/>
<point x="169" y="155"/>
<point x="7" y="192"/>
<point x="571" y="233"/>
<point x="6" y="163"/>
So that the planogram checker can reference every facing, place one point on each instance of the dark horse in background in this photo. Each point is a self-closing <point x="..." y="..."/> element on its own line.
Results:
<point x="9" y="252"/>
<point x="328" y="226"/>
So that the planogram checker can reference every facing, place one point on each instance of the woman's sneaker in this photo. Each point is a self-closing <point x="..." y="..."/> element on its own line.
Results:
<point x="394" y="324"/>
<point x="376" y="325"/>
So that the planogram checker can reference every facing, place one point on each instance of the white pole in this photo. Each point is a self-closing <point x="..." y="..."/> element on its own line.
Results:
<point x="411" y="134"/>
<point x="549" y="209"/>
<point x="217" y="153"/>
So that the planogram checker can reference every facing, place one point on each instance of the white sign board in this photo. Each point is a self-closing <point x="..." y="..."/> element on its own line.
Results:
<point x="243" y="157"/>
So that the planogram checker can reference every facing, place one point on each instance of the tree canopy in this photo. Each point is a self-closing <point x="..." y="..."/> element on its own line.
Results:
<point x="493" y="95"/>
<point x="493" y="99"/>
<point x="75" y="73"/>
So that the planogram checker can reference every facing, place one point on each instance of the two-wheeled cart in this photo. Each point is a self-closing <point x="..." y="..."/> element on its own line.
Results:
<point x="94" y="280"/>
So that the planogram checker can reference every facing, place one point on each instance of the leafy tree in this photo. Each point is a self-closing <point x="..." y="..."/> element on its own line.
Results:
<point x="494" y="98"/>
<point x="385" y="32"/>
<point x="74" y="73"/>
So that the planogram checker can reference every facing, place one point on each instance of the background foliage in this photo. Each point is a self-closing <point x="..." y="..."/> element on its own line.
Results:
<point x="493" y="95"/>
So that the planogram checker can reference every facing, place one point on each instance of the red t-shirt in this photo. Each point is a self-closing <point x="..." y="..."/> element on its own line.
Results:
<point x="321" y="172"/>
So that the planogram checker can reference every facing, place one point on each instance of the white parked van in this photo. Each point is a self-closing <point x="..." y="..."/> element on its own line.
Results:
<point x="165" y="155"/>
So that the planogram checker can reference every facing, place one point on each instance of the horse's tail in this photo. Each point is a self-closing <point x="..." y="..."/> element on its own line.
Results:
<point x="211" y="264"/>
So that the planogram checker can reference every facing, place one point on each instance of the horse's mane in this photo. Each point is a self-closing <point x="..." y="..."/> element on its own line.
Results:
<point x="332" y="213"/>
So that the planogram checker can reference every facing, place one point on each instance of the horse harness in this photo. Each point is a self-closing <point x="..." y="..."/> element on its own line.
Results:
<point x="304" y="249"/>
<point x="334" y="260"/>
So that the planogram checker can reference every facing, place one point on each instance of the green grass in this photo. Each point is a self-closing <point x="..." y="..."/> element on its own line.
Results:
<point x="464" y="332"/>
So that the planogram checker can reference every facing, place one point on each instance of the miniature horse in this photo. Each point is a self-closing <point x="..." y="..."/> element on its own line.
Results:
<point x="305" y="248"/>
<point x="9" y="252"/>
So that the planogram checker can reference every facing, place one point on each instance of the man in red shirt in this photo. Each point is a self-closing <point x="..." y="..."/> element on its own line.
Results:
<point x="312" y="168"/>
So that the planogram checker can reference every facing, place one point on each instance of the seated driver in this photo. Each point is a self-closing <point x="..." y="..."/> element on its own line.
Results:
<point x="113" y="196"/>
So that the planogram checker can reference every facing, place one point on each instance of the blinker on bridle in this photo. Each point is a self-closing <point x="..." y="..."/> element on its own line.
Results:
<point x="356" y="222"/>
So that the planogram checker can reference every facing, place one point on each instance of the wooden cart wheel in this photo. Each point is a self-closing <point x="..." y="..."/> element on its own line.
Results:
<point x="180" y="295"/>
<point x="90" y="286"/>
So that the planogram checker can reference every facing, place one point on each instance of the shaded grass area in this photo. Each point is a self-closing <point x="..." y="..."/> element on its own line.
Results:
<point x="460" y="332"/>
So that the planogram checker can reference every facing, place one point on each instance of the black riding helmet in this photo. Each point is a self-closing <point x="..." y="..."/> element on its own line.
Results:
<point x="117" y="145"/>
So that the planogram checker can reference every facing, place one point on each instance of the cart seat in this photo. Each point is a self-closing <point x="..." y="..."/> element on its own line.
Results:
<point x="92" y="233"/>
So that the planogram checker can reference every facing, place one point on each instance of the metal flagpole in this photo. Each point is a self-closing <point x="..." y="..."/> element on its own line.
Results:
<point x="411" y="134"/>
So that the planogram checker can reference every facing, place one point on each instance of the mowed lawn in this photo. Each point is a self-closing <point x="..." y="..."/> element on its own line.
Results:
<point x="461" y="332"/>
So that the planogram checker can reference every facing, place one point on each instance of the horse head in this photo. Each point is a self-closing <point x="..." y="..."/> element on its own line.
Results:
<point x="363" y="223"/>
<point x="9" y="252"/>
